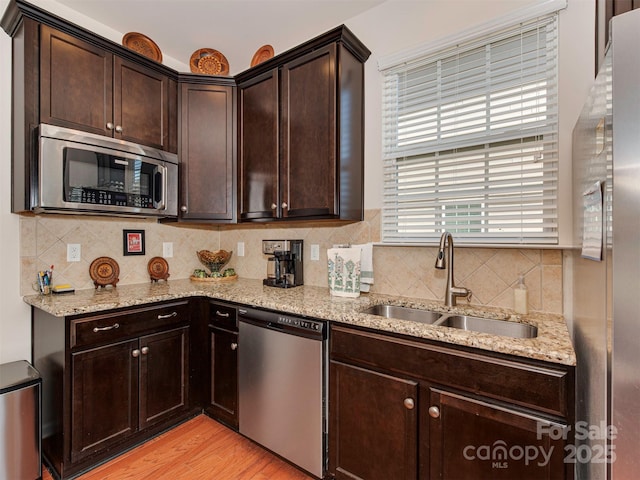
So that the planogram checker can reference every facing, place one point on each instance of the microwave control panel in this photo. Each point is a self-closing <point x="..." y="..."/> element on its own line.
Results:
<point x="105" y="197"/>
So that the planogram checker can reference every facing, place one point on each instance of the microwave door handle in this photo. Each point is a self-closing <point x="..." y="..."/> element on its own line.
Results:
<point x="161" y="185"/>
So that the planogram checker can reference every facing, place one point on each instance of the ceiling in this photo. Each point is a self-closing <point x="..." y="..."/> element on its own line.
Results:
<point x="236" y="28"/>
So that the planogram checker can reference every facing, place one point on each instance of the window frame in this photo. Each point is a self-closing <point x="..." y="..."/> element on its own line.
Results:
<point x="396" y="228"/>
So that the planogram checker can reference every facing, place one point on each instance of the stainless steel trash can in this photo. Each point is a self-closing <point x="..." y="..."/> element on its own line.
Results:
<point x="20" y="429"/>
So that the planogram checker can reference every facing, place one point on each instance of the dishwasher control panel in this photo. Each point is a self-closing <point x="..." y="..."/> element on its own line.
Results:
<point x="300" y="323"/>
<point x="286" y="323"/>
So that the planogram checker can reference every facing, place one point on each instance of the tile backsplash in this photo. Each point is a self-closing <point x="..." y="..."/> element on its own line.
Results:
<point x="491" y="273"/>
<point x="44" y="239"/>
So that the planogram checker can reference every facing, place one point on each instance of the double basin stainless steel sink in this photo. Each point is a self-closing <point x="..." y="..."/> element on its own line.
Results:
<point x="464" y="322"/>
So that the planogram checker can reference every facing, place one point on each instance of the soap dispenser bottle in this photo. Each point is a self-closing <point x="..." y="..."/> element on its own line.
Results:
<point x="520" y="296"/>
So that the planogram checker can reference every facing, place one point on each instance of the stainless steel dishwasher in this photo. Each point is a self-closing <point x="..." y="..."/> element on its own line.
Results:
<point x="282" y="385"/>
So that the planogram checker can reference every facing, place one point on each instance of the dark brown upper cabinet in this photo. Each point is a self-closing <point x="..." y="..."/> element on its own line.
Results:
<point x="301" y="132"/>
<point x="258" y="147"/>
<point x="281" y="141"/>
<point x="88" y="88"/>
<point x="207" y="150"/>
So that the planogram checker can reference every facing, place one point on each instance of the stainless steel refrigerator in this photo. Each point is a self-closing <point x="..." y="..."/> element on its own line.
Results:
<point x="606" y="263"/>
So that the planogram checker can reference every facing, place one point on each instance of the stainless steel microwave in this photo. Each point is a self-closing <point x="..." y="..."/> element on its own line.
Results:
<point x="80" y="172"/>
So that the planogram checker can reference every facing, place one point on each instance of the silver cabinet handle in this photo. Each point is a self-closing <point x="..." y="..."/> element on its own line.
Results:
<point x="104" y="329"/>
<point x="434" y="412"/>
<point x="273" y="206"/>
<point x="284" y="205"/>
<point x="234" y="346"/>
<point x="409" y="403"/>
<point x="144" y="350"/>
<point x="168" y="315"/>
<point x="221" y="314"/>
<point x="118" y="129"/>
<point x="109" y="126"/>
<point x="183" y="208"/>
<point x="135" y="353"/>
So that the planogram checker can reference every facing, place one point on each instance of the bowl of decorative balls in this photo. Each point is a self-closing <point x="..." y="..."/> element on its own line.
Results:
<point x="214" y="262"/>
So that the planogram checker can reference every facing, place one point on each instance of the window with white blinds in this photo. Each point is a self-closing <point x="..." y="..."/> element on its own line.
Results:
<point x="471" y="141"/>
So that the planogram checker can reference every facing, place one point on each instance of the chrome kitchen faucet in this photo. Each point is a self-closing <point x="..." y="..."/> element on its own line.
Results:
<point x="451" y="291"/>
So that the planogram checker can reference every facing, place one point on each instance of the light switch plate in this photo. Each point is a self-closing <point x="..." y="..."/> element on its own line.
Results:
<point x="167" y="249"/>
<point x="240" y="249"/>
<point x="315" y="252"/>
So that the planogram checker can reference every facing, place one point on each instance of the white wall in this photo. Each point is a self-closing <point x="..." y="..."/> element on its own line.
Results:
<point x="98" y="28"/>
<point x="391" y="27"/>
<point x="399" y="25"/>
<point x="15" y="325"/>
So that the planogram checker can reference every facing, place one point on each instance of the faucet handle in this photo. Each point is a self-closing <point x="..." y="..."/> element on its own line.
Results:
<point x="469" y="294"/>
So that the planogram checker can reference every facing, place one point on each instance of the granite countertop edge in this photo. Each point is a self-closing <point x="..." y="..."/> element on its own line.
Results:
<point x="553" y="343"/>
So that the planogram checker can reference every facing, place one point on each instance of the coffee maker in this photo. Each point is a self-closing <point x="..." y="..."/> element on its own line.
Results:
<point x="284" y="267"/>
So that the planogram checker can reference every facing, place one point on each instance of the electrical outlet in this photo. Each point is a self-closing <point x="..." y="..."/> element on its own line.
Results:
<point x="315" y="252"/>
<point x="240" y="249"/>
<point x="73" y="252"/>
<point x="167" y="249"/>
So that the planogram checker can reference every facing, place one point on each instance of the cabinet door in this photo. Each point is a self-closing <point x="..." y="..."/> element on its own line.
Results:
<point x="258" y="148"/>
<point x="76" y="83"/>
<point x="104" y="397"/>
<point x="164" y="375"/>
<point x="207" y="153"/>
<point x="373" y="425"/>
<point x="308" y="168"/>
<point x="223" y="398"/>
<point x="472" y="438"/>
<point x="141" y="104"/>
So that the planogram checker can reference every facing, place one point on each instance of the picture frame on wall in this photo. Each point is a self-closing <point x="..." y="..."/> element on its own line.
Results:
<point x="133" y="242"/>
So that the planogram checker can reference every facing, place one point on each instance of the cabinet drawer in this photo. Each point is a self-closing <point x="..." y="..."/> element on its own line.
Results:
<point x="98" y="329"/>
<point x="223" y="316"/>
<point x="537" y="385"/>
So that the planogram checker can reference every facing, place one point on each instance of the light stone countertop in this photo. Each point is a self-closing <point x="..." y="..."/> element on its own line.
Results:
<point x="552" y="344"/>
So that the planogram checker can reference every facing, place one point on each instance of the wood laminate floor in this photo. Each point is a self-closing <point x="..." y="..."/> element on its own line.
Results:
<point x="200" y="449"/>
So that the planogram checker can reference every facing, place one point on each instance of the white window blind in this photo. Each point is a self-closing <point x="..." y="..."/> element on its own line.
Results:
<point x="471" y="140"/>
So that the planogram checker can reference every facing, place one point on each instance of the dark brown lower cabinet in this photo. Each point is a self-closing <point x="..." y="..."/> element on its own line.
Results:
<point x="408" y="409"/>
<point x="120" y="389"/>
<point x="105" y="397"/>
<point x="378" y="412"/>
<point x="224" y="376"/>
<point x="164" y="380"/>
<point x="223" y="357"/>
<point x="145" y="379"/>
<point x="476" y="439"/>
<point x="111" y="381"/>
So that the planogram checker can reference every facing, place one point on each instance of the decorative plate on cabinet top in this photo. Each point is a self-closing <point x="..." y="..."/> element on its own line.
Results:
<point x="104" y="271"/>
<point x="263" y="54"/>
<point x="209" y="61"/>
<point x="158" y="269"/>
<point x="143" y="45"/>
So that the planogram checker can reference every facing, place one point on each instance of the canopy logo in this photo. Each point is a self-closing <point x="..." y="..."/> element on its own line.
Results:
<point x="500" y="454"/>
<point x="598" y="449"/>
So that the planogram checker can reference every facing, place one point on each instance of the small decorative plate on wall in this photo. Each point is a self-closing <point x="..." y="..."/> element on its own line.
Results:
<point x="209" y="61"/>
<point x="143" y="45"/>
<point x="104" y="271"/>
<point x="158" y="269"/>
